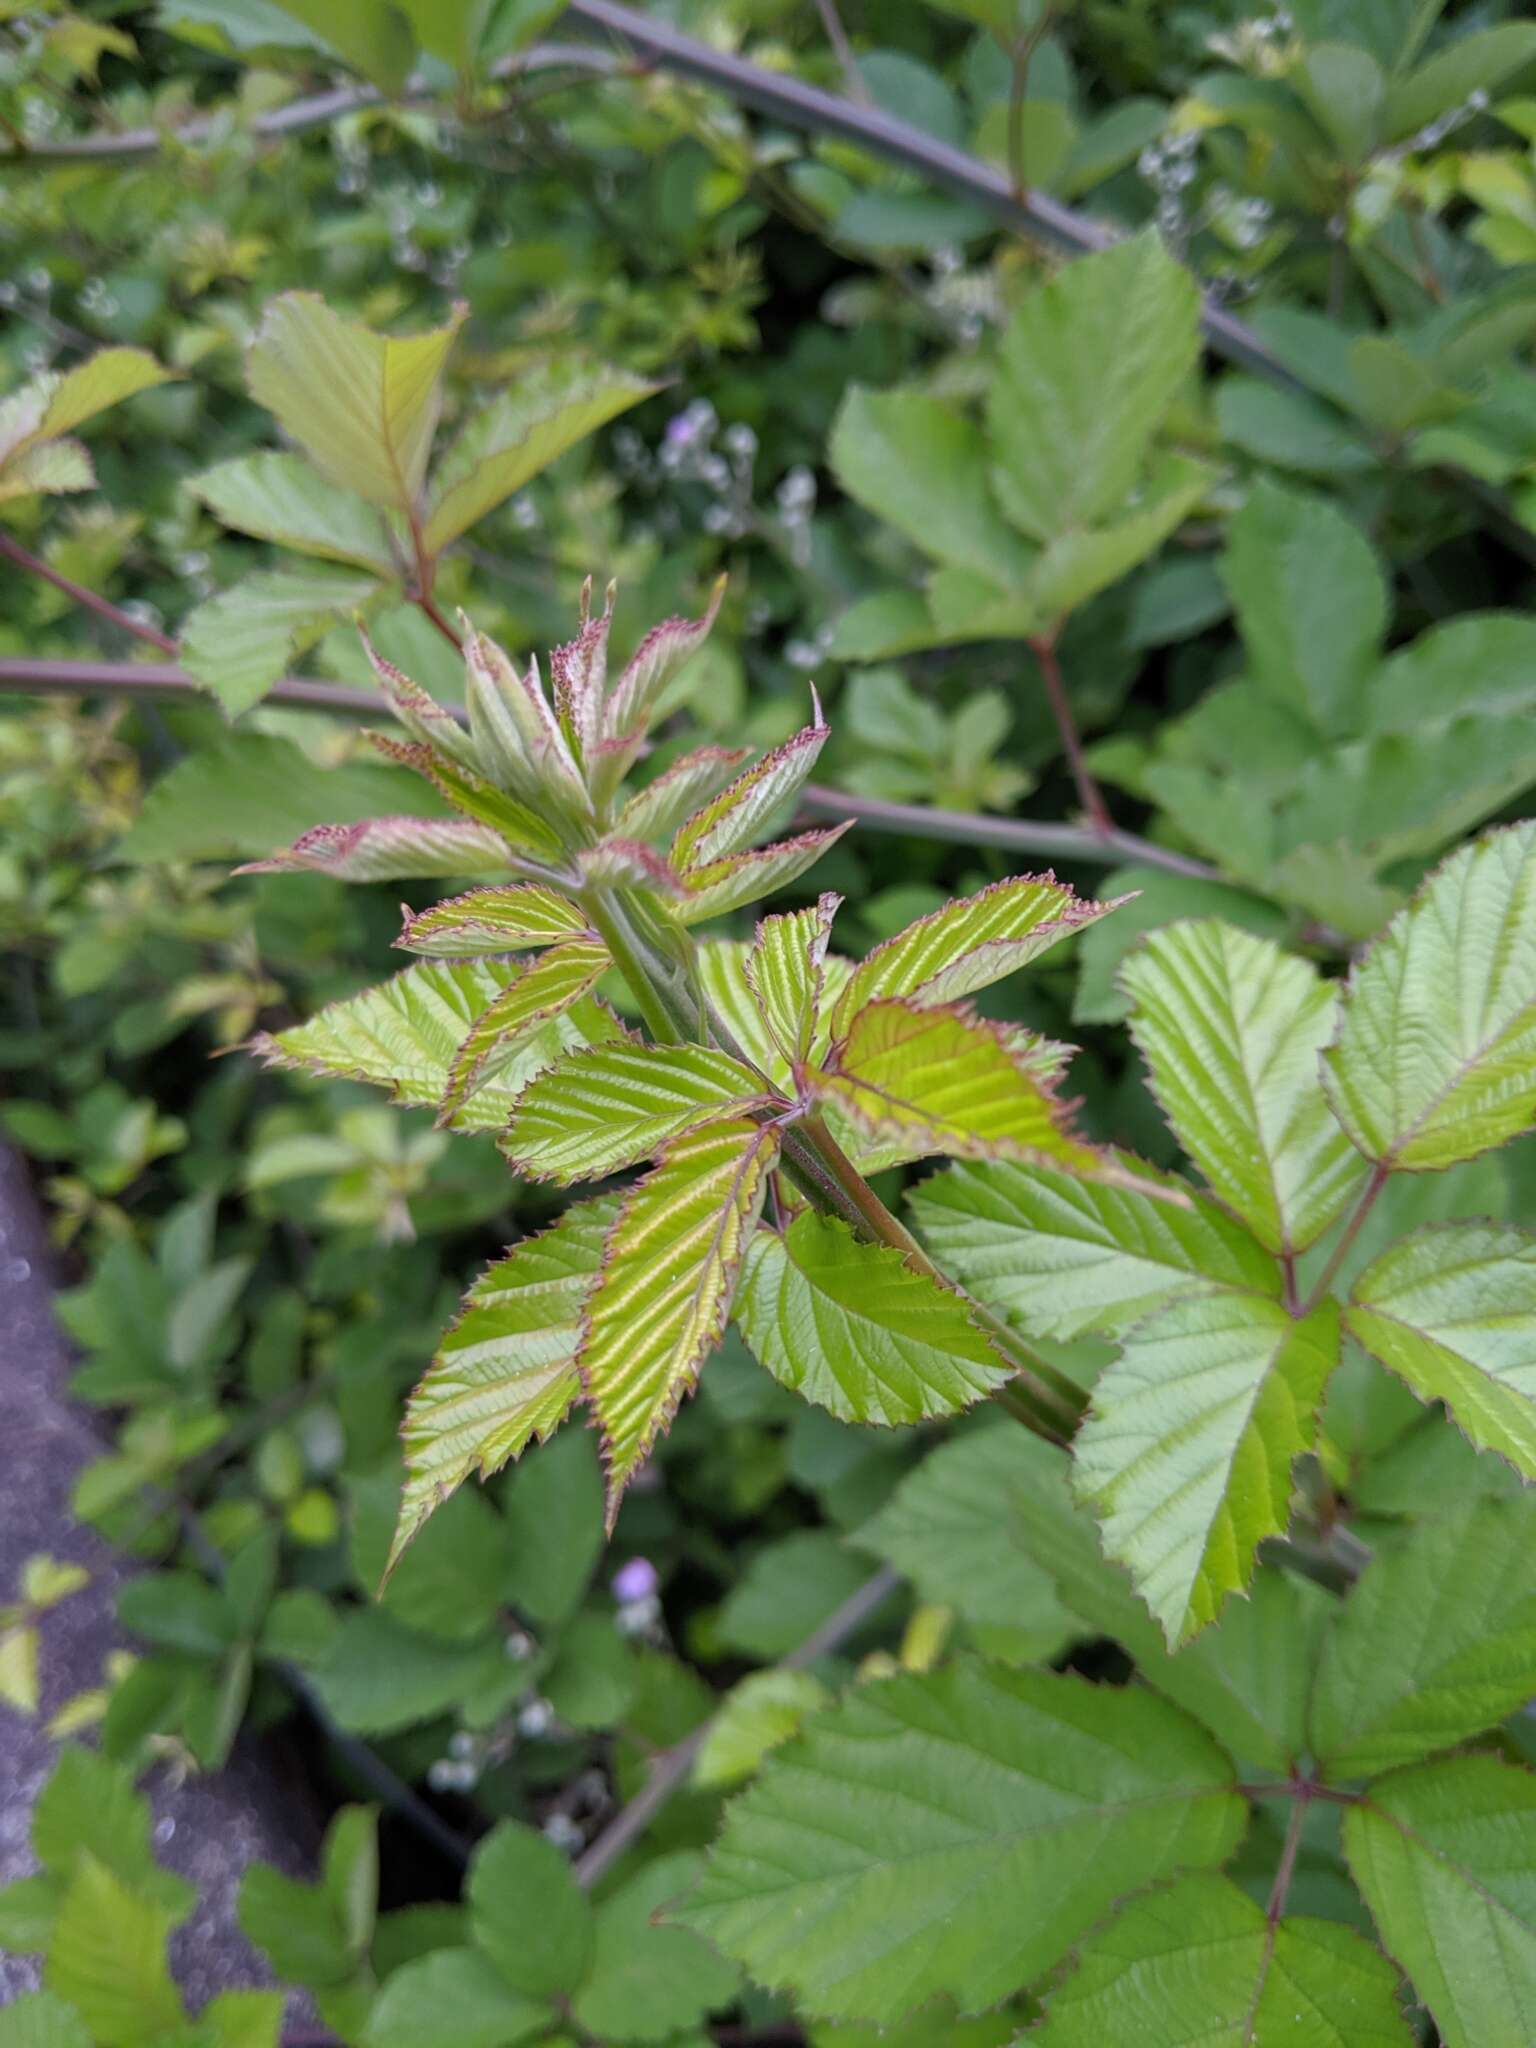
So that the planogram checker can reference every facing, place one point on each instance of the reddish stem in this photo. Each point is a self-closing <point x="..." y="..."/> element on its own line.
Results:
<point x="1363" y="1208"/>
<point x="1088" y="792"/>
<point x="93" y="601"/>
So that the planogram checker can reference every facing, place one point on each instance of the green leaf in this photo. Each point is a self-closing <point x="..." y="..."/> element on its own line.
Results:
<point x="733" y="819"/>
<point x="180" y="1610"/>
<point x="405" y="1034"/>
<point x="505" y="1373"/>
<point x="854" y="1328"/>
<point x="1443" y="1853"/>
<point x="764" y="1709"/>
<point x="1436" y="1643"/>
<point x="244" y="2019"/>
<point x="664" y="1291"/>
<point x="947" y="1081"/>
<point x="1088" y="367"/>
<point x="506" y="443"/>
<point x="1311" y="603"/>
<point x="454" y="1579"/>
<point x="107" y="1959"/>
<point x="392" y="849"/>
<point x="1062" y="1256"/>
<point x="922" y="467"/>
<point x="240" y="642"/>
<point x="28" y="1908"/>
<point x="492" y="921"/>
<point x="1186" y="1455"/>
<point x="785" y="972"/>
<point x="744" y="878"/>
<point x="1077" y="565"/>
<point x="89" y="1808"/>
<point x="1471" y="64"/>
<point x="656" y="811"/>
<point x="362" y="406"/>
<point x="968" y="944"/>
<point x="1151" y="898"/>
<point x="376" y="1677"/>
<point x="946" y="1528"/>
<point x="545" y="989"/>
<point x="956" y="1832"/>
<point x="1230" y="1027"/>
<point x="1198" y="1961"/>
<point x="450" y="29"/>
<point x="374" y="39"/>
<point x="1435" y="1059"/>
<point x="788" y="1589"/>
<point x="37" y="2019"/>
<point x="641" y="691"/>
<point x="452" y="1998"/>
<point x="554" y="1518"/>
<point x="280" y="498"/>
<point x="648" y="1980"/>
<point x="1343" y="88"/>
<point x="104" y="379"/>
<point x="1452" y="1310"/>
<point x="528" y="1913"/>
<point x="615" y="1104"/>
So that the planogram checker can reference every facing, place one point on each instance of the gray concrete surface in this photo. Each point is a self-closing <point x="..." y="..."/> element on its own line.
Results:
<point x="208" y="1828"/>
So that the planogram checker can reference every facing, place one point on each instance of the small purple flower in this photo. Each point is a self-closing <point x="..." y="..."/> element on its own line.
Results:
<point x="635" y="1581"/>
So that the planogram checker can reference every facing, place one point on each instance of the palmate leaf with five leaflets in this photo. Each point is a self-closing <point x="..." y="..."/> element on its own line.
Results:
<point x="663" y="1294"/>
<point x="1186" y="1454"/>
<point x="1230" y="1027"/>
<point x="505" y="1374"/>
<point x="1435" y="1059"/>
<point x="957" y="1832"/>
<point x="855" y="1328"/>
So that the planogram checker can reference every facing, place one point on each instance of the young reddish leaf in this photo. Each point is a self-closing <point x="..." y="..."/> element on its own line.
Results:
<point x="970" y="943"/>
<point x="516" y="733"/>
<point x="524" y="830"/>
<point x="492" y="921"/>
<point x="390" y="849"/>
<point x="733" y="819"/>
<point x="628" y="864"/>
<point x="553" y="982"/>
<point x="784" y="973"/>
<point x="616" y="1104"/>
<point x="948" y="1081"/>
<point x="431" y="724"/>
<point x="743" y="878"/>
<point x="578" y="673"/>
<point x="668" y="1275"/>
<point x="655" y="661"/>
<point x="505" y="1373"/>
<point x="658" y="809"/>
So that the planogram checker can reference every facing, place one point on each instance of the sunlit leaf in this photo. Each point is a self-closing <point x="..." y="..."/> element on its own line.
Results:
<point x="615" y="1104"/>
<point x="784" y="972"/>
<point x="391" y="849"/>
<point x="734" y="818"/>
<point x="545" y="989"/>
<point x="492" y="921"/>
<point x="743" y="878"/>
<point x="281" y="498"/>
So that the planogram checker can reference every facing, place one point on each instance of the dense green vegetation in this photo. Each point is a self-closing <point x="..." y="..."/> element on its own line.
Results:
<point x="1050" y="1556"/>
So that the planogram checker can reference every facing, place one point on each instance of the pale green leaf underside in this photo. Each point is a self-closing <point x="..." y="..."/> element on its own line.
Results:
<point x="969" y="944"/>
<point x="1194" y="1963"/>
<point x="957" y="1833"/>
<point x="743" y="878"/>
<point x="854" y="1328"/>
<point x="239" y="642"/>
<point x="1063" y="1256"/>
<point x="668" y="1274"/>
<point x="279" y="497"/>
<point x="392" y="849"/>
<point x="722" y="969"/>
<point x="1452" y="1310"/>
<point x="1436" y="1643"/>
<point x="405" y="1034"/>
<point x="615" y="1104"/>
<point x="1445" y="1854"/>
<point x="505" y="1372"/>
<point x="1186" y="1456"/>
<point x="1231" y="1027"/>
<point x="1436" y="1055"/>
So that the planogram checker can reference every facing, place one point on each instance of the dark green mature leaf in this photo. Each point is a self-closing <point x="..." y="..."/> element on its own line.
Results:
<point x="90" y="1807"/>
<point x="663" y="1294"/>
<point x="1444" y="1854"/>
<point x="647" y="1980"/>
<point x="1186" y="1455"/>
<point x="528" y="1913"/>
<point x="506" y="1371"/>
<point x="452" y="1998"/>
<point x="856" y="1329"/>
<point x="1064" y="1256"/>
<point x="1311" y="602"/>
<point x="1435" y="1059"/>
<point x="1452" y="1310"/>
<point x="1436" y="1643"/>
<point x="956" y="1832"/>
<point x="1231" y="1027"/>
<point x="1089" y="366"/>
<point x="1196" y="1961"/>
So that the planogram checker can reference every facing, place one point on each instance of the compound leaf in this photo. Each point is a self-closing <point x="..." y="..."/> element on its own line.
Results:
<point x="1186" y="1456"/>
<point x="1063" y="1256"/>
<point x="664" y="1292"/>
<point x="1451" y="1309"/>
<point x="611" y="1105"/>
<point x="854" y="1328"/>
<point x="1435" y="1060"/>
<point x="505" y="1373"/>
<point x="107" y="1958"/>
<point x="1230" y="1027"/>
<point x="956" y="1832"/>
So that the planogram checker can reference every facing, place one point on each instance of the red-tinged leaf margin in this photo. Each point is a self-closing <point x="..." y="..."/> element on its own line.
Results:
<point x="779" y="774"/>
<point x="728" y="884"/>
<point x="709" y="768"/>
<point x="523" y="829"/>
<point x="360" y="852"/>
<point x="432" y="724"/>
<point x="626" y="864"/>
<point x="578" y="673"/>
<point x="565" y="973"/>
<point x="757" y="967"/>
<point x="759" y="1149"/>
<point x="459" y="914"/>
<point x="653" y="664"/>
